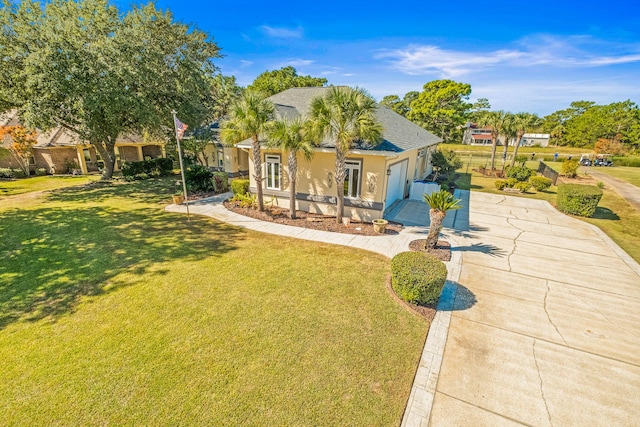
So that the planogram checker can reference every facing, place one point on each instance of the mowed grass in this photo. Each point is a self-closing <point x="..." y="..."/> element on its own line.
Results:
<point x="625" y="173"/>
<point x="42" y="183"/>
<point x="614" y="215"/>
<point x="115" y="312"/>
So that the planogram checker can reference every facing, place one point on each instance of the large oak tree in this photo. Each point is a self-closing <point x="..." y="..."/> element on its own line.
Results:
<point x="100" y="73"/>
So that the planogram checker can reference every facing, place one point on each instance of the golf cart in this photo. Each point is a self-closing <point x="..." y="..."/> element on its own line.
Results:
<point x="586" y="160"/>
<point x="603" y="160"/>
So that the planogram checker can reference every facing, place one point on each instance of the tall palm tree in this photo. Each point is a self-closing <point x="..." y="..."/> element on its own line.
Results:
<point x="494" y="120"/>
<point x="509" y="132"/>
<point x="344" y="115"/>
<point x="291" y="136"/>
<point x="249" y="118"/>
<point x="522" y="123"/>
<point x="440" y="203"/>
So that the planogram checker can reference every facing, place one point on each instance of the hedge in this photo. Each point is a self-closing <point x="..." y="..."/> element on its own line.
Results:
<point x="240" y="186"/>
<point x="153" y="167"/>
<point x="578" y="199"/>
<point x="417" y="277"/>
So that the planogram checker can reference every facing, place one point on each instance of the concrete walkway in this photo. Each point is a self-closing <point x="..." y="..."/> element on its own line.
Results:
<point x="626" y="190"/>
<point x="539" y="324"/>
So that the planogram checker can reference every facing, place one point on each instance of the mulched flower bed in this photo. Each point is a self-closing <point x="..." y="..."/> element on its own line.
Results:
<point x="426" y="311"/>
<point x="311" y="220"/>
<point x="442" y="251"/>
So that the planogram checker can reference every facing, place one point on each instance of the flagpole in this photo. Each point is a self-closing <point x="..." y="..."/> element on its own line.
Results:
<point x="184" y="182"/>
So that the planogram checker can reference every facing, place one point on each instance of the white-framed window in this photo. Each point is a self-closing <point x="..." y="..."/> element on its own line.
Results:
<point x="272" y="164"/>
<point x="221" y="158"/>
<point x="419" y="163"/>
<point x="87" y="155"/>
<point x="352" y="178"/>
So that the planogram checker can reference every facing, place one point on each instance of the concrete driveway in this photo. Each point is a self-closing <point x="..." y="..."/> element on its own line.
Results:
<point x="545" y="328"/>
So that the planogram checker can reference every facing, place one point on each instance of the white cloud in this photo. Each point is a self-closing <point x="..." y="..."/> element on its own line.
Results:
<point x="298" y="62"/>
<point x="283" y="33"/>
<point x="244" y="63"/>
<point x="569" y="52"/>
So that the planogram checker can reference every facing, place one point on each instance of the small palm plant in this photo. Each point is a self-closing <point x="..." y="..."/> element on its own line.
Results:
<point x="440" y="203"/>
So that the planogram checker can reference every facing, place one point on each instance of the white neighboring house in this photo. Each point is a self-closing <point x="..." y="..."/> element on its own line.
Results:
<point x="531" y="139"/>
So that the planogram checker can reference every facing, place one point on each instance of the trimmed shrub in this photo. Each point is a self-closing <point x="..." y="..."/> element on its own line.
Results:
<point x="220" y="182"/>
<point x="511" y="182"/>
<point x="520" y="173"/>
<point x="570" y="168"/>
<point x="523" y="186"/>
<point x="540" y="183"/>
<point x="6" y="173"/>
<point x="417" y="277"/>
<point x="153" y="167"/>
<point x="578" y="199"/>
<point x="500" y="184"/>
<point x="19" y="173"/>
<point x="41" y="171"/>
<point x="198" y="178"/>
<point x="240" y="186"/>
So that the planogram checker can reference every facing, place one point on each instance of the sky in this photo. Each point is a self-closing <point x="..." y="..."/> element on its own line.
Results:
<point x="533" y="56"/>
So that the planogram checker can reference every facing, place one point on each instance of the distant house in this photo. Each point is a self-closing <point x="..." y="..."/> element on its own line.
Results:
<point x="377" y="176"/>
<point x="60" y="151"/>
<point x="537" y="139"/>
<point x="476" y="136"/>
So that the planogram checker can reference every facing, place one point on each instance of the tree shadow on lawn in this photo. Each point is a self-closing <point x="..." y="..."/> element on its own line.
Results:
<point x="156" y="190"/>
<point x="51" y="257"/>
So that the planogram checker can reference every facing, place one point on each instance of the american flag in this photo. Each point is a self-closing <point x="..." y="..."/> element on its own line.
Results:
<point x="180" y="127"/>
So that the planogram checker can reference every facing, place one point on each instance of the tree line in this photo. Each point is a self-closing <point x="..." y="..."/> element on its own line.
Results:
<point x="102" y="74"/>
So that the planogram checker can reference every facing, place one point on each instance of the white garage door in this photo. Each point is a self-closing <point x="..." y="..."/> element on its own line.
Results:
<point x="395" y="189"/>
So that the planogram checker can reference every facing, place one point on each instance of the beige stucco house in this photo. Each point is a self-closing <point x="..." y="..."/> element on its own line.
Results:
<point x="60" y="151"/>
<point x="377" y="176"/>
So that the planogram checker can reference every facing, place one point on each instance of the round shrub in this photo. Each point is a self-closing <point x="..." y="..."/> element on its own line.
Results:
<point x="199" y="178"/>
<point x="522" y="186"/>
<point x="417" y="277"/>
<point x="520" y="173"/>
<point x="240" y="186"/>
<point x="540" y="183"/>
<point x="511" y="182"/>
<point x="500" y="184"/>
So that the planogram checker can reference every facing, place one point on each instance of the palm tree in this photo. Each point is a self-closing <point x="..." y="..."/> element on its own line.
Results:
<point x="291" y="136"/>
<point x="345" y="115"/>
<point x="249" y="118"/>
<point x="509" y="132"/>
<point x="494" y="120"/>
<point x="523" y="122"/>
<point x="440" y="203"/>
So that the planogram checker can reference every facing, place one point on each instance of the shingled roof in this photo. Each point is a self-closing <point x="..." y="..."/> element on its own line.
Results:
<point x="399" y="134"/>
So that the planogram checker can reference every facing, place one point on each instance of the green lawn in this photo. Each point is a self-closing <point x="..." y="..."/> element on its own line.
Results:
<point x="628" y="174"/>
<point x="115" y="312"/>
<point x="42" y="183"/>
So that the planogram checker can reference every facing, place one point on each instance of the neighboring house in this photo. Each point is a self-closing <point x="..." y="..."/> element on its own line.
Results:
<point x="232" y="160"/>
<point x="479" y="136"/>
<point x="537" y="139"/>
<point x="60" y="151"/>
<point x="377" y="176"/>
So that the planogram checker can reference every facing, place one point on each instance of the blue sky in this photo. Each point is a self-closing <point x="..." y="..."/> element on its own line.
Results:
<point x="522" y="56"/>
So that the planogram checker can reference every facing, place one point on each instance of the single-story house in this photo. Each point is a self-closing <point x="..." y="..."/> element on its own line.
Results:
<point x="377" y="176"/>
<point x="60" y="151"/>
<point x="537" y="139"/>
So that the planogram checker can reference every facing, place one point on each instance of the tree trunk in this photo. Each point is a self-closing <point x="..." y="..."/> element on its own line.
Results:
<point x="293" y="174"/>
<point x="494" y="146"/>
<point x="436" y="217"/>
<point x="257" y="164"/>
<point x="515" y="149"/>
<point x="505" y="151"/>
<point x="340" y="173"/>
<point x="108" y="153"/>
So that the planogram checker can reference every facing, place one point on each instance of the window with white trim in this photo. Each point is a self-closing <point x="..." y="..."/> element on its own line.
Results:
<point x="272" y="164"/>
<point x="352" y="178"/>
